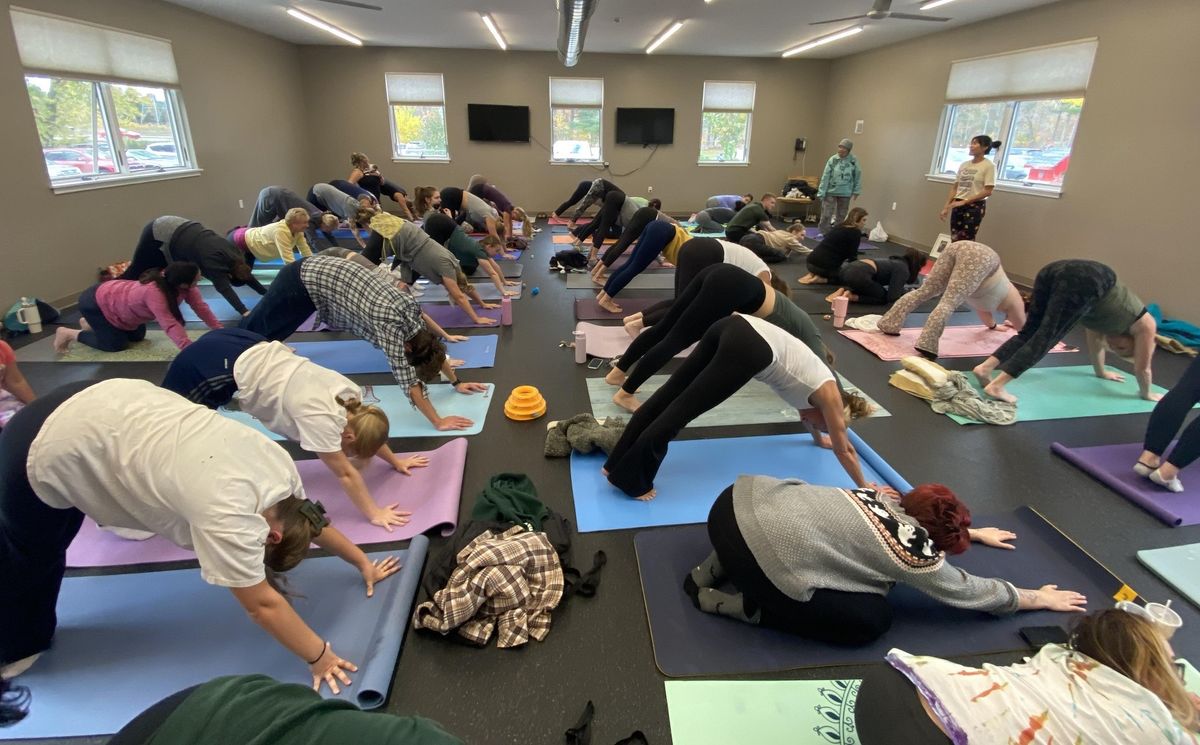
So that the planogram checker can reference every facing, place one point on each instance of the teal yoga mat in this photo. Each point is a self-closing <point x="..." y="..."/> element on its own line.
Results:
<point x="800" y="712"/>
<point x="1178" y="566"/>
<point x="1071" y="392"/>
<point x="655" y="280"/>
<point x="405" y="420"/>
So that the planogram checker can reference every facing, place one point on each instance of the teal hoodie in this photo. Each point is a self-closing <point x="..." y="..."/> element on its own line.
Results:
<point x="842" y="177"/>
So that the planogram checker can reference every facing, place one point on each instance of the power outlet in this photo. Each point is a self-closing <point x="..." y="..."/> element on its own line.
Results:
<point x="893" y="206"/>
<point x="649" y="188"/>
<point x="241" y="204"/>
<point x="858" y="127"/>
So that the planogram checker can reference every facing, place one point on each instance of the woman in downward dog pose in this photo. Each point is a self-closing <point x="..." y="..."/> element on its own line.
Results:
<point x="879" y="281"/>
<point x="733" y="351"/>
<point x="630" y="233"/>
<point x="965" y="272"/>
<point x="658" y="238"/>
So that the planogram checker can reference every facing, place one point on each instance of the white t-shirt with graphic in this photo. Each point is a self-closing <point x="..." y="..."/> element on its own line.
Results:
<point x="973" y="177"/>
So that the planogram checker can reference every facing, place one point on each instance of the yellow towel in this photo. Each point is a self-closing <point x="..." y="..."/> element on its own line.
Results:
<point x="912" y="384"/>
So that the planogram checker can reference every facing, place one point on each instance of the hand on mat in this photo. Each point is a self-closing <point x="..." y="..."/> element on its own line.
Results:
<point x="452" y="422"/>
<point x="511" y="283"/>
<point x="404" y="464"/>
<point x="482" y="321"/>
<point x="1113" y="376"/>
<point x="466" y="387"/>
<point x="884" y="489"/>
<point x="455" y="337"/>
<point x="456" y="363"/>
<point x="1052" y="598"/>
<point x="329" y="668"/>
<point x="823" y="440"/>
<point x="386" y="517"/>
<point x="378" y="571"/>
<point x="994" y="537"/>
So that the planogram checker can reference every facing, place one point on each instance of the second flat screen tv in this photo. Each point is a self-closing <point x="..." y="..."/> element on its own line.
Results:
<point x="490" y="123"/>
<point x="645" y="126"/>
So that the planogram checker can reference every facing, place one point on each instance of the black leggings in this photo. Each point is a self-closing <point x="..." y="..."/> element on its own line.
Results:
<point x="735" y="234"/>
<point x="103" y="335"/>
<point x="864" y="280"/>
<point x="831" y="616"/>
<point x="1063" y="293"/>
<point x="889" y="711"/>
<point x="610" y="212"/>
<point x="381" y="187"/>
<point x="695" y="255"/>
<point x="727" y="357"/>
<point x="33" y="536"/>
<point x="284" y="308"/>
<point x="148" y="254"/>
<point x="630" y="233"/>
<point x="717" y="291"/>
<point x="579" y="193"/>
<point x="1168" y="416"/>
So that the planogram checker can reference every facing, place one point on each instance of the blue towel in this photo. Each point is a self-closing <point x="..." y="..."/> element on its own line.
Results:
<point x="1183" y="332"/>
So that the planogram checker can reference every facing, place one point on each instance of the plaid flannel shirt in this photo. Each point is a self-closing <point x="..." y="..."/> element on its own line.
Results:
<point x="508" y="583"/>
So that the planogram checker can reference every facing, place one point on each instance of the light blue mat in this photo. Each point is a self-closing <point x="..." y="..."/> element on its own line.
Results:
<point x="1178" y="566"/>
<point x="356" y="356"/>
<point x="219" y="305"/>
<point x="405" y="420"/>
<point x="124" y="641"/>
<point x="695" y="471"/>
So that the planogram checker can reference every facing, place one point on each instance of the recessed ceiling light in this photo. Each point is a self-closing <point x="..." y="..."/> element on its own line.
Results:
<point x="824" y="40"/>
<point x="327" y="28"/>
<point x="491" y="26"/>
<point x="664" y="36"/>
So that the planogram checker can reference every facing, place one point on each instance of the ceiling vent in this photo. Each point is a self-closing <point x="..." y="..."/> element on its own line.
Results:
<point x="573" y="18"/>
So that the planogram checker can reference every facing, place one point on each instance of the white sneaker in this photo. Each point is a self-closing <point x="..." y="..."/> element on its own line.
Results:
<point x="13" y="669"/>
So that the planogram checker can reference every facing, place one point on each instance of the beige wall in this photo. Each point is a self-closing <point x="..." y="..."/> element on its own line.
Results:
<point x="789" y="101"/>
<point x="1129" y="199"/>
<point x="54" y="243"/>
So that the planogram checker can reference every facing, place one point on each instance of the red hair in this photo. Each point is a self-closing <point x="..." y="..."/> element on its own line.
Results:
<point x="942" y="514"/>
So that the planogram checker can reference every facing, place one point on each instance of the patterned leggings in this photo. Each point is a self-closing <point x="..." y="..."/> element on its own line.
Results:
<point x="965" y="220"/>
<point x="956" y="275"/>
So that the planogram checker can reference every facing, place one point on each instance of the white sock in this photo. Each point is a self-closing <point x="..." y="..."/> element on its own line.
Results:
<point x="1174" y="484"/>
<point x="1141" y="469"/>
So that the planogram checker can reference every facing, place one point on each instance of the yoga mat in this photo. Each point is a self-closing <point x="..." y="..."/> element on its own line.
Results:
<point x="356" y="356"/>
<point x="431" y="494"/>
<point x="609" y="341"/>
<point x="156" y="347"/>
<point x="219" y="305"/>
<point x="1112" y="465"/>
<point x="694" y="473"/>
<point x="699" y="234"/>
<point x="406" y="421"/>
<point x="265" y="275"/>
<point x="567" y="238"/>
<point x="720" y="712"/>
<point x="1069" y="393"/>
<point x="587" y="309"/>
<point x="956" y="341"/>
<point x="454" y="317"/>
<point x="645" y="281"/>
<point x="126" y="640"/>
<point x="688" y="642"/>
<point x="1178" y="566"/>
<point x="431" y="293"/>
<point x="508" y="270"/>
<point x="348" y="233"/>
<point x="565" y="221"/>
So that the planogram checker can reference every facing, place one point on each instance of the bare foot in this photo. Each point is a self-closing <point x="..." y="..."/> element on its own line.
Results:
<point x="812" y="279"/>
<point x="835" y="294"/>
<point x="647" y="496"/>
<point x="599" y="279"/>
<point x="62" y="339"/>
<point x="984" y="376"/>
<point x="615" y="377"/>
<point x="633" y="317"/>
<point x="84" y="325"/>
<point x="633" y="328"/>
<point x="609" y="305"/>
<point x="997" y="391"/>
<point x="626" y="401"/>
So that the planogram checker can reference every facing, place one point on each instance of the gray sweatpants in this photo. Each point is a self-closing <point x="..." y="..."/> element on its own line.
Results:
<point x="274" y="202"/>
<point x="713" y="219"/>
<point x="833" y="212"/>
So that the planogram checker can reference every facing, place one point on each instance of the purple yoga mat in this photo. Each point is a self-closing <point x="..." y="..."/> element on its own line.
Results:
<point x="587" y="309"/>
<point x="454" y="317"/>
<point x="312" y="325"/>
<point x="431" y="493"/>
<point x="1112" y="465"/>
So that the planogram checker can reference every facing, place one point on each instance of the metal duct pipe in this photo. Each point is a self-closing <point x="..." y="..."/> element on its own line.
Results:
<point x="573" y="18"/>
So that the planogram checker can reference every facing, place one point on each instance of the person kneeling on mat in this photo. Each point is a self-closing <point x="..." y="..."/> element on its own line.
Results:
<point x="732" y="352"/>
<point x="879" y="281"/>
<point x="294" y="397"/>
<point x="132" y="455"/>
<point x="819" y="561"/>
<point x="839" y="246"/>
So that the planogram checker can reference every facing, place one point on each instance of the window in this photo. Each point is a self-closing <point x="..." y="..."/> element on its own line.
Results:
<point x="1031" y="100"/>
<point x="576" y="106"/>
<point x="418" y="109"/>
<point x="725" y="122"/>
<point x="105" y="101"/>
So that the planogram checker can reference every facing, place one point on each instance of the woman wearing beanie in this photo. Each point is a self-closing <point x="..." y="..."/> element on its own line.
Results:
<point x="841" y="181"/>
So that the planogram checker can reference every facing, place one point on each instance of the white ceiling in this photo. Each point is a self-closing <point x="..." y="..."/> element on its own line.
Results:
<point x="726" y="28"/>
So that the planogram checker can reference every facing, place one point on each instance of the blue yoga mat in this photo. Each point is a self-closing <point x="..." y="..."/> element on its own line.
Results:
<point x="124" y="641"/>
<point x="431" y="293"/>
<point x="355" y="356"/>
<point x="406" y="421"/>
<point x="219" y="305"/>
<point x="695" y="471"/>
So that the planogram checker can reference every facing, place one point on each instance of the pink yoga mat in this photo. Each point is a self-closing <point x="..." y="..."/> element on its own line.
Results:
<point x="454" y="317"/>
<point x="956" y="341"/>
<point x="565" y="221"/>
<point x="568" y="238"/>
<point x="610" y="341"/>
<point x="432" y="494"/>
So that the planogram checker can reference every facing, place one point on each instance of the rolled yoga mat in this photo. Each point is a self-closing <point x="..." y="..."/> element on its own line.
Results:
<point x="454" y="317"/>
<point x="956" y="341"/>
<point x="695" y="471"/>
<point x="587" y="309"/>
<point x="1178" y="566"/>
<point x="124" y="641"/>
<point x="649" y="280"/>
<point x="688" y="642"/>
<point x="1112" y="465"/>
<point x="431" y="493"/>
<point x="405" y="420"/>
<point x="1069" y="393"/>
<point x="156" y="347"/>
<point x="357" y="356"/>
<point x="609" y="341"/>
<point x="508" y="269"/>
<point x="719" y="712"/>
<point x="431" y="293"/>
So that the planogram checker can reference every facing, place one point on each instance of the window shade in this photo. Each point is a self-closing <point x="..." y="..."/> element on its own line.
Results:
<point x="576" y="91"/>
<point x="54" y="44"/>
<point x="721" y="95"/>
<point x="1062" y="69"/>
<point x="415" y="88"/>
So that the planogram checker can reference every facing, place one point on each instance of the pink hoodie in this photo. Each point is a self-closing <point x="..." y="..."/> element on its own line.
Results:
<point x="127" y="304"/>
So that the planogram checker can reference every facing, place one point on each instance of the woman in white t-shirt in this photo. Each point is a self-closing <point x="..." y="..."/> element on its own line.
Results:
<point x="131" y="455"/>
<point x="974" y="183"/>
<point x="732" y="352"/>
<point x="320" y="409"/>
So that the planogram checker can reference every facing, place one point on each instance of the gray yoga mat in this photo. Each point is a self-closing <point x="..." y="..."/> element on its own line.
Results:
<point x="587" y="309"/>
<point x="509" y="269"/>
<point x="643" y="281"/>
<point x="431" y="293"/>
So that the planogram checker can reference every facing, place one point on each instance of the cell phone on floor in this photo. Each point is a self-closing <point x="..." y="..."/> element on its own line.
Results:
<point x="1039" y="636"/>
<point x="595" y="363"/>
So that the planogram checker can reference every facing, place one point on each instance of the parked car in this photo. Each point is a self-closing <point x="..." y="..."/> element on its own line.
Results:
<point x="163" y="148"/>
<point x="573" y="150"/>
<point x="144" y="158"/>
<point x="60" y="172"/>
<point x="81" y="159"/>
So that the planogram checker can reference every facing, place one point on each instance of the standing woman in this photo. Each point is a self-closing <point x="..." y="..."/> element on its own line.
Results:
<point x="15" y="391"/>
<point x="294" y="397"/>
<point x="836" y="248"/>
<point x="365" y="174"/>
<point x="115" y="313"/>
<point x="841" y="181"/>
<point x="170" y="238"/>
<point x="131" y="455"/>
<point x="1165" y="423"/>
<point x="974" y="184"/>
<point x="279" y="240"/>
<point x="1066" y="293"/>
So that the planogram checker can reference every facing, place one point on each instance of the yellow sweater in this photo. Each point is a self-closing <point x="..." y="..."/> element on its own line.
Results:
<point x="275" y="241"/>
<point x="671" y="251"/>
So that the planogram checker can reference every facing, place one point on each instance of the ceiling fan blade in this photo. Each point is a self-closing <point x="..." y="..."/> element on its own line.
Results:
<point x="836" y="20"/>
<point x="912" y="17"/>
<point x="882" y="6"/>
<point x="353" y="4"/>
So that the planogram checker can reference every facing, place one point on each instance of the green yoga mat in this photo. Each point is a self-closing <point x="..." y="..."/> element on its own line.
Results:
<point x="156" y="347"/>
<point x="1071" y="392"/>
<point x="755" y="403"/>
<point x="797" y="712"/>
<point x="266" y="275"/>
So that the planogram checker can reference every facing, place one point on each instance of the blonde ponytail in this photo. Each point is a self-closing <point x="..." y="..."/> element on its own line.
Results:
<point x="370" y="427"/>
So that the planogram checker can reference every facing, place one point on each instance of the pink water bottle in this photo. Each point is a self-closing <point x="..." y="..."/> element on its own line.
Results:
<point x="506" y="311"/>
<point x="580" y="347"/>
<point x="840" y="305"/>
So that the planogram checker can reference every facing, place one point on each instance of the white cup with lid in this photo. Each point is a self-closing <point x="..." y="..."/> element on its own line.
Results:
<point x="1166" y="620"/>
